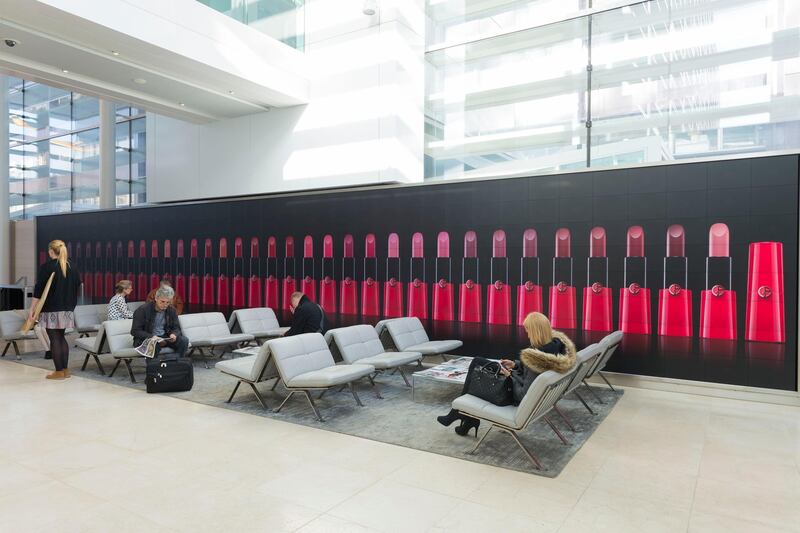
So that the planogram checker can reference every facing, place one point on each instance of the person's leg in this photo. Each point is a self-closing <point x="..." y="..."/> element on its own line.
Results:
<point x="57" y="348"/>
<point x="180" y="345"/>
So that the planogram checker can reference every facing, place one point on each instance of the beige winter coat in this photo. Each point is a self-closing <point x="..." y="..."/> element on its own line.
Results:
<point x="540" y="361"/>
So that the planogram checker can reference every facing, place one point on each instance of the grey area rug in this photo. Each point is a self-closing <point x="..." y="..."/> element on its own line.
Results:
<point x="395" y="419"/>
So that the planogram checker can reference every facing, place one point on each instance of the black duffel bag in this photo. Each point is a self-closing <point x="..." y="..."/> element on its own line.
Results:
<point x="169" y="374"/>
<point x="487" y="383"/>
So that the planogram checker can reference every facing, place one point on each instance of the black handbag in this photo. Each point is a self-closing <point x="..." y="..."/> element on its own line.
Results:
<point x="487" y="383"/>
<point x="169" y="374"/>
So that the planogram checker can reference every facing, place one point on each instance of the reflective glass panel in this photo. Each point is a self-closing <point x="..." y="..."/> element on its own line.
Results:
<point x="47" y="111"/>
<point x="86" y="170"/>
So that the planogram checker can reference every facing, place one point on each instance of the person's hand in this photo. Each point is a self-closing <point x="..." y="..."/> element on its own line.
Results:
<point x="30" y="314"/>
<point x="172" y="337"/>
<point x="507" y="363"/>
<point x="506" y="372"/>
<point x="162" y="343"/>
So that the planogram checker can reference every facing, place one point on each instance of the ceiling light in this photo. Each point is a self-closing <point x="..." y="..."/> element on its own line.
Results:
<point x="230" y="92"/>
<point x="140" y="81"/>
<point x="370" y="7"/>
<point x="65" y="71"/>
<point x="114" y="53"/>
<point x="181" y="104"/>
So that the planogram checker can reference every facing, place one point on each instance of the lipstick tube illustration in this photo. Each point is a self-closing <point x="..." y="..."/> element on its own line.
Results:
<point x="674" y="299"/>
<point x="271" y="291"/>
<point x="238" y="273"/>
<point x="597" y="294"/>
<point x="194" y="273"/>
<point x="130" y="259"/>
<point x="634" y="300"/>
<point x="208" y="273"/>
<point x="562" y="293"/>
<point x="764" y="314"/>
<point x="254" y="282"/>
<point x="327" y="284"/>
<point x="142" y="288"/>
<point x="718" y="300"/>
<point x="81" y="267"/>
<point x="417" y="285"/>
<point x="98" y="271"/>
<point x="180" y="268"/>
<point x="308" y="285"/>
<point x="498" y="294"/>
<point x="529" y="291"/>
<point x="393" y="286"/>
<point x="167" y="272"/>
<point x="108" y="273"/>
<point x="443" y="306"/>
<point x="348" y="296"/>
<point x="119" y="261"/>
<point x="155" y="268"/>
<point x="289" y="273"/>
<point x="223" y="279"/>
<point x="469" y="292"/>
<point x="88" y="273"/>
<point x="370" y="286"/>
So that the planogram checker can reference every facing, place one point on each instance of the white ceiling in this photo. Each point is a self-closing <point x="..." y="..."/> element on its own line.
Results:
<point x="52" y="40"/>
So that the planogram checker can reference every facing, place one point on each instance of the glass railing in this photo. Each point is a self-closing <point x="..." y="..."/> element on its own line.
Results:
<point x="283" y="20"/>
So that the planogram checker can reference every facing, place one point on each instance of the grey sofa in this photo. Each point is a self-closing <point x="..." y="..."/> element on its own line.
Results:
<point x="260" y="322"/>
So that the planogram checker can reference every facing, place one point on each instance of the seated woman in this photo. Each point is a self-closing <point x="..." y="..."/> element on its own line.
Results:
<point x="118" y="306"/>
<point x="549" y="350"/>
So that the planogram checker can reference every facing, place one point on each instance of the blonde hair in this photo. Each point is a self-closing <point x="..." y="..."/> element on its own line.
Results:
<point x="538" y="328"/>
<point x="122" y="285"/>
<point x="60" y="249"/>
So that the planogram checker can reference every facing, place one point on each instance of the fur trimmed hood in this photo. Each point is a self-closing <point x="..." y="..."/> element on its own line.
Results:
<point x="540" y="361"/>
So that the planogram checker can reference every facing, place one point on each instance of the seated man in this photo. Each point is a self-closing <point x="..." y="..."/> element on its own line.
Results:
<point x="177" y="301"/>
<point x="159" y="319"/>
<point x="308" y="316"/>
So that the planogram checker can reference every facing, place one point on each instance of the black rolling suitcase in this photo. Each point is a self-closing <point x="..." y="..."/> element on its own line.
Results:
<point x="169" y="374"/>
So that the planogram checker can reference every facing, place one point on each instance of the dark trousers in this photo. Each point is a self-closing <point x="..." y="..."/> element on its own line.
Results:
<point x="180" y="346"/>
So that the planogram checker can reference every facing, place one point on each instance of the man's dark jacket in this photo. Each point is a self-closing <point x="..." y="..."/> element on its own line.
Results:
<point x="144" y="317"/>
<point x="308" y="318"/>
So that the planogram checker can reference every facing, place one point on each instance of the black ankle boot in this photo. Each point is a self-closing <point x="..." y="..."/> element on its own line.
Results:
<point x="449" y="418"/>
<point x="48" y="355"/>
<point x="467" y="423"/>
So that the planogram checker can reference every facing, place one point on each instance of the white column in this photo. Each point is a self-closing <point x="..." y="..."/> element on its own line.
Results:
<point x="5" y="223"/>
<point x="108" y="158"/>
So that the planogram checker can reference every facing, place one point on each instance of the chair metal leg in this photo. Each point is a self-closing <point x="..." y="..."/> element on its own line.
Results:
<point x="258" y="395"/>
<point x="321" y="394"/>
<point x="111" y="375"/>
<point x="353" y="390"/>
<point x="480" y="441"/>
<point x="532" y="457"/>
<point x="130" y="370"/>
<point x="275" y="384"/>
<point x="405" y="378"/>
<point x="555" y="429"/>
<point x="314" y="406"/>
<point x="596" y="396"/>
<point x="376" y="389"/>
<point x="564" y="417"/>
<point x="16" y="350"/>
<point x="234" y="391"/>
<point x="607" y="382"/>
<point x="99" y="364"/>
<point x="586" y="405"/>
<point x="8" y="345"/>
<point x="278" y="410"/>
<point x="85" y="361"/>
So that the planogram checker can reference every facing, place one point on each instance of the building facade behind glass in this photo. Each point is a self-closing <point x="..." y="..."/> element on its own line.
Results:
<point x="54" y="151"/>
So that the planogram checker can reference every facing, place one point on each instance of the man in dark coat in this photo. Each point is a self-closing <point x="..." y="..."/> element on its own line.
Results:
<point x="159" y="319"/>
<point x="308" y="316"/>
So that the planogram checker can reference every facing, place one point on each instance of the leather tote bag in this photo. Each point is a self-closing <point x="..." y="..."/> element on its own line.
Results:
<point x="489" y="384"/>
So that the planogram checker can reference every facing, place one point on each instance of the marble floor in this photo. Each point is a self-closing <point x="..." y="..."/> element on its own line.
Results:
<point x="86" y="456"/>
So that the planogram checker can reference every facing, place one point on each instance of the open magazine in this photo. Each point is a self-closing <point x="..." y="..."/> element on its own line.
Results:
<point x="148" y="347"/>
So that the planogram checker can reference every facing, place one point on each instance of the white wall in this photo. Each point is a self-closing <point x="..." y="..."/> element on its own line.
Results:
<point x="364" y="123"/>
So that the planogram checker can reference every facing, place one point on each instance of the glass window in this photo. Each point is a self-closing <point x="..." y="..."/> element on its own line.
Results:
<point x="48" y="179"/>
<point x="85" y="111"/>
<point x="138" y="162"/>
<point x="283" y="20"/>
<point x="47" y="111"/>
<point x="86" y="170"/>
<point x="15" y="111"/>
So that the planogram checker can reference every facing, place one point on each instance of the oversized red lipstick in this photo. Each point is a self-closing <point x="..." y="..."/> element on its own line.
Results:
<point x="208" y="274"/>
<point x="417" y="285"/>
<point x="764" y="315"/>
<point x="180" y="268"/>
<point x="370" y="286"/>
<point x="469" y="292"/>
<point x="271" y="290"/>
<point x="327" y="284"/>
<point x="718" y="300"/>
<point x="254" y="281"/>
<point x="529" y="291"/>
<point x="194" y="273"/>
<point x="289" y="273"/>
<point x="155" y="267"/>
<point x="348" y="297"/>
<point x="634" y="301"/>
<point x="237" y="298"/>
<point x="443" y="308"/>
<point x="308" y="285"/>
<point x="498" y="294"/>
<point x="597" y="297"/>
<point x="393" y="286"/>
<point x="141" y="281"/>
<point x="562" y="292"/>
<point x="674" y="299"/>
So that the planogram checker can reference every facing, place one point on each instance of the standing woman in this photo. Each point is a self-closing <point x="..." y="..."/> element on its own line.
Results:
<point x="58" y="310"/>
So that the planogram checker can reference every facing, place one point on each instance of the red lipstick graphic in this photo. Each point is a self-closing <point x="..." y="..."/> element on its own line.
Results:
<point x="223" y="280"/>
<point x="718" y="301"/>
<point x="529" y="292"/>
<point x="167" y="265"/>
<point x="469" y="292"/>
<point x="597" y="294"/>
<point x="309" y="283"/>
<point x="103" y="270"/>
<point x="194" y="273"/>
<point x="81" y="267"/>
<point x="417" y="286"/>
<point x="498" y="294"/>
<point x="238" y="274"/>
<point x="562" y="293"/>
<point x="88" y="274"/>
<point x="327" y="285"/>
<point x="370" y="287"/>
<point x="634" y="301"/>
<point x="393" y="287"/>
<point x="348" y="298"/>
<point x="180" y="268"/>
<point x="131" y="262"/>
<point x="271" y="296"/>
<point x="254" y="281"/>
<point x="289" y="273"/>
<point x="674" y="299"/>
<point x="119" y="261"/>
<point x="155" y="268"/>
<point x="208" y="273"/>
<point x="764" y="315"/>
<point x="142" y="280"/>
<point x="443" y="308"/>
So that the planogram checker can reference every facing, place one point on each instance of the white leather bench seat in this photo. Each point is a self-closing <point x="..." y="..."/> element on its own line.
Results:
<point x="435" y="347"/>
<point x="241" y="367"/>
<point x="222" y="340"/>
<point x="330" y="376"/>
<point x="260" y="322"/>
<point x="127" y="353"/>
<point x="473" y="405"/>
<point x="209" y="330"/>
<point x="386" y="360"/>
<point x="408" y="334"/>
<point x="86" y="343"/>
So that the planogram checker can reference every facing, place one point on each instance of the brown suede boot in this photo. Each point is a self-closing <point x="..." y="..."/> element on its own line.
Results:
<point x="58" y="374"/>
<point x="67" y="373"/>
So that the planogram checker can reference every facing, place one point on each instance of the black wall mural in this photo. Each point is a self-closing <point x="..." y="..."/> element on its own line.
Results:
<point x="696" y="263"/>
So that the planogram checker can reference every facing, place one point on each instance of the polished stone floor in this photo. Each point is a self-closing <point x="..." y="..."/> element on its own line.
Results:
<point x="86" y="456"/>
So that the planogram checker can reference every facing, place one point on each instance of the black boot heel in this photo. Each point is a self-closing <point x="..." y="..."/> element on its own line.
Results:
<point x="466" y="425"/>
<point x="449" y="418"/>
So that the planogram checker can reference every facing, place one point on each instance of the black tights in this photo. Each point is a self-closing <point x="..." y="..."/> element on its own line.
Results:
<point x="59" y="348"/>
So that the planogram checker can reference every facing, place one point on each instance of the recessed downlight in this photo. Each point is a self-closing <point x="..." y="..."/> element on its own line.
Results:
<point x="114" y="53"/>
<point x="181" y="104"/>
<point x="231" y="92"/>
<point x="140" y="81"/>
<point x="65" y="71"/>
